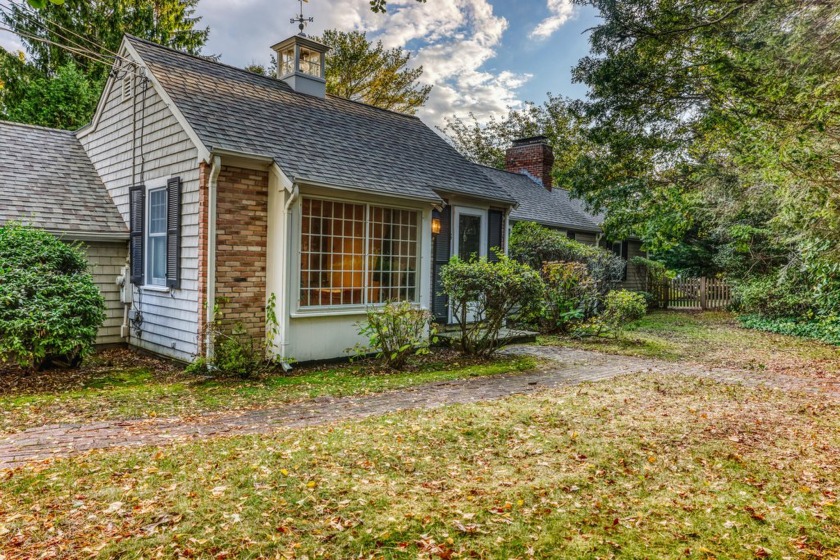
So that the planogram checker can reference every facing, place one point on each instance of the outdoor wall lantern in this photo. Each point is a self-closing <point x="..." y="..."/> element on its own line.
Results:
<point x="435" y="222"/>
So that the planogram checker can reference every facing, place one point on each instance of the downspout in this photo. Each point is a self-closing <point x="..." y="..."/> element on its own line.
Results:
<point x="212" y="184"/>
<point x="284" y="301"/>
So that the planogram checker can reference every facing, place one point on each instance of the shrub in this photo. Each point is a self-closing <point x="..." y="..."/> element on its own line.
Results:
<point x="534" y="245"/>
<point x="773" y="296"/>
<point x="570" y="296"/>
<point x="236" y="352"/>
<point x="825" y="329"/>
<point x="621" y="307"/>
<point x="49" y="306"/>
<point x="484" y="294"/>
<point x="396" y="332"/>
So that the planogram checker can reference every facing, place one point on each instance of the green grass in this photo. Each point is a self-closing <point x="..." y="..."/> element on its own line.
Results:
<point x="716" y="339"/>
<point x="640" y="467"/>
<point x="140" y="392"/>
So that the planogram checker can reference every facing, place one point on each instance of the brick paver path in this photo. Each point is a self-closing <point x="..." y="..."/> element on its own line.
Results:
<point x="565" y="367"/>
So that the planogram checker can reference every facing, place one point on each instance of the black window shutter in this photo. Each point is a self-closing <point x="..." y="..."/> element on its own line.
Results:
<point x="441" y="253"/>
<point x="495" y="233"/>
<point x="137" y="225"/>
<point x="173" y="232"/>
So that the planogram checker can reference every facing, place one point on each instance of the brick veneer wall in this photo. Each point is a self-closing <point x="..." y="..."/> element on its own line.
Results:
<point x="532" y="155"/>
<point x="241" y="236"/>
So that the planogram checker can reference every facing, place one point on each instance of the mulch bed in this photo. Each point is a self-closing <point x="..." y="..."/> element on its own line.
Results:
<point x="14" y="380"/>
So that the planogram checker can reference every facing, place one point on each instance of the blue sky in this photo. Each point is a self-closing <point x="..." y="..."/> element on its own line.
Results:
<point x="481" y="55"/>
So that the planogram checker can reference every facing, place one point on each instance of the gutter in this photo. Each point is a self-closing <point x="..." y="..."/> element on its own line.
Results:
<point x="88" y="236"/>
<point x="212" y="183"/>
<point x="284" y="300"/>
<point x="336" y="186"/>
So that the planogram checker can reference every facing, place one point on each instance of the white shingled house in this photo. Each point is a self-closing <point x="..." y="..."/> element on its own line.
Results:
<point x="223" y="186"/>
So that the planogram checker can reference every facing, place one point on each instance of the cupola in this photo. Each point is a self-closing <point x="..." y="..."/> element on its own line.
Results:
<point x="301" y="61"/>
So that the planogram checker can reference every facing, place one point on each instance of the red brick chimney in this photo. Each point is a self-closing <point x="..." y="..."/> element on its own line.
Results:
<point x="531" y="156"/>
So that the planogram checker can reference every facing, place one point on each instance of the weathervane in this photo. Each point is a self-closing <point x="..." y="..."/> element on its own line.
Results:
<point x="300" y="20"/>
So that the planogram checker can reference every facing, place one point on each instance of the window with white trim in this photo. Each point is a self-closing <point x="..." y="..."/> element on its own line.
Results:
<point x="156" y="237"/>
<point x="357" y="254"/>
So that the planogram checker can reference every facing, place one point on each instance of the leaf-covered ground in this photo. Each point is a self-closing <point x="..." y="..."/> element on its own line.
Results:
<point x="121" y="384"/>
<point x="716" y="339"/>
<point x="640" y="467"/>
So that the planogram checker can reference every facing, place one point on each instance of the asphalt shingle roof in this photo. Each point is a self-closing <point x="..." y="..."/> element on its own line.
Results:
<point x="47" y="180"/>
<point x="332" y="140"/>
<point x="555" y="208"/>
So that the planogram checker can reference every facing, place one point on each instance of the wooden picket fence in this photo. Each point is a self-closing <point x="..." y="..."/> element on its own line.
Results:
<point x="696" y="293"/>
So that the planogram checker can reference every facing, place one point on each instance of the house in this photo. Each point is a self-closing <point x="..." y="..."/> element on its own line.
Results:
<point x="528" y="164"/>
<point x="233" y="187"/>
<point x="47" y="180"/>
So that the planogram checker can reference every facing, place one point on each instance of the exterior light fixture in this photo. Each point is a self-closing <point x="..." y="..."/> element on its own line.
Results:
<point x="435" y="222"/>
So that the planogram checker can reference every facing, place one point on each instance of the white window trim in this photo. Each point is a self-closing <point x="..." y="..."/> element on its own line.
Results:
<point x="299" y="310"/>
<point x="152" y="185"/>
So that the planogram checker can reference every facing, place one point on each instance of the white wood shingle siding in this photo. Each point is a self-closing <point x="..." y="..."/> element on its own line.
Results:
<point x="169" y="319"/>
<point x="106" y="262"/>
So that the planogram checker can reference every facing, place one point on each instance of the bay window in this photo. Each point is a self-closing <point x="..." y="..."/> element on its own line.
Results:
<point x="357" y="254"/>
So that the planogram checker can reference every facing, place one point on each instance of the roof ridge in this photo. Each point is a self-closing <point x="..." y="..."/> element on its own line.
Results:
<point x="200" y="58"/>
<point x="37" y="127"/>
<point x="264" y="77"/>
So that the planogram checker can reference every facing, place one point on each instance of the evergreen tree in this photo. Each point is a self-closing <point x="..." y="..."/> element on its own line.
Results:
<point x="77" y="41"/>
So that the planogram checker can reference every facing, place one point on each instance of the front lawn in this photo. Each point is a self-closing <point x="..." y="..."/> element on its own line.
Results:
<point x="640" y="467"/>
<point x="121" y="384"/>
<point x="716" y="339"/>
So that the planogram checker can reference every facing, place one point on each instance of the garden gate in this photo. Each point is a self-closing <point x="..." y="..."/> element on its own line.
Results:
<point x="696" y="293"/>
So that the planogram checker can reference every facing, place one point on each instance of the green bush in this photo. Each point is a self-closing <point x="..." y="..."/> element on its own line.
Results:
<point x="395" y="332"/>
<point x="484" y="294"/>
<point x="534" y="245"/>
<point x="49" y="306"/>
<point x="621" y="307"/>
<point x="570" y="296"/>
<point x="826" y="329"/>
<point x="773" y="296"/>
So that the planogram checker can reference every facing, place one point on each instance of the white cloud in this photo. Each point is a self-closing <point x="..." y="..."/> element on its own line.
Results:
<point x="452" y="39"/>
<point x="561" y="12"/>
<point x="10" y="42"/>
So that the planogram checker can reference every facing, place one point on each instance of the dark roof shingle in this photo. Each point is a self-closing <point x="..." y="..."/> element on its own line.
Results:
<point x="47" y="180"/>
<point x="555" y="208"/>
<point x="325" y="140"/>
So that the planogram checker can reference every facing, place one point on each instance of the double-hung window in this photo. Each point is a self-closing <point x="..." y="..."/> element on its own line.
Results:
<point x="155" y="230"/>
<point x="357" y="254"/>
<point x="156" y="238"/>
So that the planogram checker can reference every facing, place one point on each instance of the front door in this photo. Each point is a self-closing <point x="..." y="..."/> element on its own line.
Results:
<point x="470" y="233"/>
<point x="469" y="237"/>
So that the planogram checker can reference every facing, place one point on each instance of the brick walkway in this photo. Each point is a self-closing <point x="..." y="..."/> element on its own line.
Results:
<point x="566" y="366"/>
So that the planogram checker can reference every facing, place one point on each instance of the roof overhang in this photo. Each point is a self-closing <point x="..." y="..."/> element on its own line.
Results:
<point x="298" y="180"/>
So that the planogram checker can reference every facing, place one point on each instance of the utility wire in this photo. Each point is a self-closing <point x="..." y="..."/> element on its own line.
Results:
<point x="43" y="19"/>
<point x="73" y="46"/>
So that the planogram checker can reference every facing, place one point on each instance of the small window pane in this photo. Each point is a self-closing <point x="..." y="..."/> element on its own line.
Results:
<point x="157" y="211"/>
<point x="157" y="260"/>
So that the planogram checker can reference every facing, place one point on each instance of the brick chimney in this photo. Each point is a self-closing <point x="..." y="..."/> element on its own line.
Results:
<point x="531" y="156"/>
